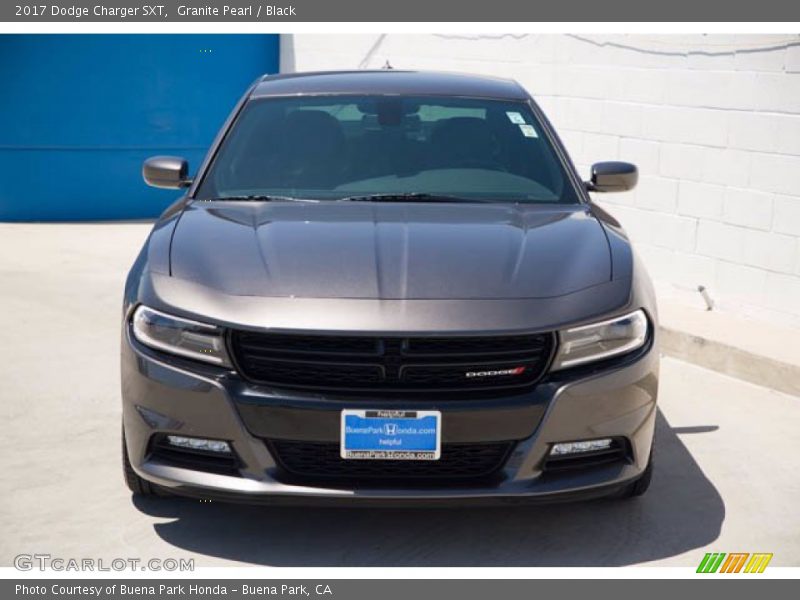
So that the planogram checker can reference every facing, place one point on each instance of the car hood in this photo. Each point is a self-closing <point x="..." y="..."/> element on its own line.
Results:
<point x="389" y="251"/>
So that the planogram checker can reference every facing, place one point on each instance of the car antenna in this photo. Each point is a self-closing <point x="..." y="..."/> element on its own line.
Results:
<point x="387" y="66"/>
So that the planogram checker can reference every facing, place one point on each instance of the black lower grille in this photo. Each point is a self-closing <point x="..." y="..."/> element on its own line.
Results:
<point x="391" y="364"/>
<point x="458" y="462"/>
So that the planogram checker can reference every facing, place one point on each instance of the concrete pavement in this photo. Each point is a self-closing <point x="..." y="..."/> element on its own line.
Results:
<point x="764" y="351"/>
<point x="727" y="477"/>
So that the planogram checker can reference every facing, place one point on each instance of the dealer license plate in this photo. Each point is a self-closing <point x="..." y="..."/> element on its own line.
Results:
<point x="391" y="434"/>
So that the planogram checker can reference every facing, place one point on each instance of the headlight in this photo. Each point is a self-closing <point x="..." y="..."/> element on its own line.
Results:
<point x="180" y="336"/>
<point x="587" y="343"/>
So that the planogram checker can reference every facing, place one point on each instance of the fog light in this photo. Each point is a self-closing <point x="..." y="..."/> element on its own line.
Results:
<point x="199" y="444"/>
<point x="580" y="447"/>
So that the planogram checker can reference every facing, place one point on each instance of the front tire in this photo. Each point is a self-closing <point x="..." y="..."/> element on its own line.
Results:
<point x="642" y="484"/>
<point x="137" y="485"/>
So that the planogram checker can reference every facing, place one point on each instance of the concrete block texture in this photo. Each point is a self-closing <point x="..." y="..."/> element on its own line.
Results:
<point x="712" y="121"/>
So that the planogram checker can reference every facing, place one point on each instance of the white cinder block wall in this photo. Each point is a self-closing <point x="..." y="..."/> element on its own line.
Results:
<point x="712" y="121"/>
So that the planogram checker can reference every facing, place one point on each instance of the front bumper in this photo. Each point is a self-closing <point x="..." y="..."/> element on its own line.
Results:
<point x="162" y="394"/>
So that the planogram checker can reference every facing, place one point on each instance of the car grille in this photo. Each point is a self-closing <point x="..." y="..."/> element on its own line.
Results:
<point x="321" y="461"/>
<point x="331" y="362"/>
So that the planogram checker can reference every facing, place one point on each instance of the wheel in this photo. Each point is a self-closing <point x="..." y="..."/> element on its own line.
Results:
<point x="139" y="486"/>
<point x="640" y="486"/>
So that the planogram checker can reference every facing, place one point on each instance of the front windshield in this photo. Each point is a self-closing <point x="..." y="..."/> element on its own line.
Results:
<point x="335" y="147"/>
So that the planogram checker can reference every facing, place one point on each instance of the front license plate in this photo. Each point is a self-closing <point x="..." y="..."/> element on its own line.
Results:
<point x="391" y="434"/>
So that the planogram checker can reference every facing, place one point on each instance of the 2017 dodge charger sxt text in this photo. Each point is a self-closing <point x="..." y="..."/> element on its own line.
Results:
<point x="388" y="286"/>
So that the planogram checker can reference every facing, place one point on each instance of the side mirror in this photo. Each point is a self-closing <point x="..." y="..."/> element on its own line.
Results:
<point x="170" y="172"/>
<point x="613" y="177"/>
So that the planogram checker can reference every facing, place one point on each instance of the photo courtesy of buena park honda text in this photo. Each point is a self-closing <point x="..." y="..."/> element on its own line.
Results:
<point x="371" y="300"/>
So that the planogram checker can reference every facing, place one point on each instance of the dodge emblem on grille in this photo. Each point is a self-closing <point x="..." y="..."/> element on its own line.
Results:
<point x="495" y="372"/>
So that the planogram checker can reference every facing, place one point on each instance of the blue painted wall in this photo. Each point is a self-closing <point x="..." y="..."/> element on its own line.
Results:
<point x="79" y="114"/>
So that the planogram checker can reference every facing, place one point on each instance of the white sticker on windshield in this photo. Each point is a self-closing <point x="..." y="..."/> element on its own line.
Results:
<point x="528" y="131"/>
<point x="515" y="118"/>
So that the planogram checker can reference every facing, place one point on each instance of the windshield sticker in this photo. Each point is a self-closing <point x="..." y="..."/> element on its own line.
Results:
<point x="515" y="118"/>
<point x="528" y="131"/>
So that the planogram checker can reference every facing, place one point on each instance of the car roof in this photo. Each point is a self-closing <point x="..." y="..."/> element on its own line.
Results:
<point x="390" y="82"/>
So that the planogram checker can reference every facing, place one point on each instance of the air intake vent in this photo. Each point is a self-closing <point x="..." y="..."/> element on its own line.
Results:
<point x="321" y="461"/>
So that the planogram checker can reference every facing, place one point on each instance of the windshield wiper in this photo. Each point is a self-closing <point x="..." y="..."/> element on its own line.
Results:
<point x="262" y="198"/>
<point x="409" y="197"/>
